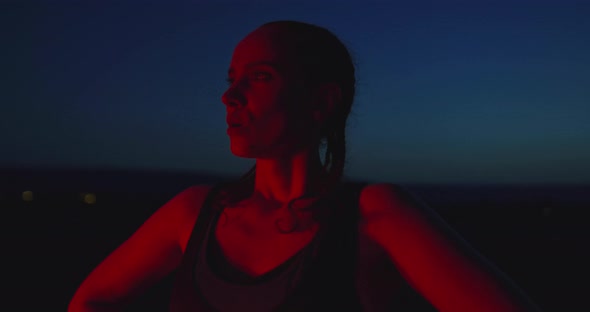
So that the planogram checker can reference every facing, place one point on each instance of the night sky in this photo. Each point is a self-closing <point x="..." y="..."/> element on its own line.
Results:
<point x="460" y="92"/>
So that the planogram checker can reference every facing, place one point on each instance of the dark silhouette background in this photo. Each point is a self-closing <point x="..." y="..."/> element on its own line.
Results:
<point x="448" y="92"/>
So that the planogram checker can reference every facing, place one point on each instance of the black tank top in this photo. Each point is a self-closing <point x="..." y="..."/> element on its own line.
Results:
<point x="318" y="278"/>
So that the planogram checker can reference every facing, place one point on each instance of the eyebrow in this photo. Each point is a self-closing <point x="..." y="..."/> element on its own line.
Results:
<point x="253" y="64"/>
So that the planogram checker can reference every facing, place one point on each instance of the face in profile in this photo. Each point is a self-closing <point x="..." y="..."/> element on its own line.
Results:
<point x="266" y="101"/>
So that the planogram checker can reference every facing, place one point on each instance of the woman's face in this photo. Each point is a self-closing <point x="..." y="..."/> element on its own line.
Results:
<point x="268" y="112"/>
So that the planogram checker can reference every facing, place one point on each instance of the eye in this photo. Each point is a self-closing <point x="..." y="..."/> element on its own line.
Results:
<point x="261" y="76"/>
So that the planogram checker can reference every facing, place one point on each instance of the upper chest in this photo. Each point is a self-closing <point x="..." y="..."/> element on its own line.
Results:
<point x="257" y="244"/>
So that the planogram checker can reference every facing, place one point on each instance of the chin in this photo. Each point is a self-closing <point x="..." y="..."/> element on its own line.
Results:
<point x="259" y="150"/>
<point x="242" y="151"/>
<point x="242" y="154"/>
<point x="253" y="153"/>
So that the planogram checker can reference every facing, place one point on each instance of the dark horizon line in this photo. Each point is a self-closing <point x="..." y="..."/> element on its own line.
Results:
<point x="20" y="172"/>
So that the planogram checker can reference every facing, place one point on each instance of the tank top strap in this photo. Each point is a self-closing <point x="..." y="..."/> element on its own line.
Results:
<point x="184" y="295"/>
<point x="199" y="231"/>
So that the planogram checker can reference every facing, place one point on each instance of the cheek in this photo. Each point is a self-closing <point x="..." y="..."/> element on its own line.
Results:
<point x="263" y="118"/>
<point x="270" y="128"/>
<point x="269" y="116"/>
<point x="280" y="116"/>
<point x="281" y="128"/>
<point x="270" y="125"/>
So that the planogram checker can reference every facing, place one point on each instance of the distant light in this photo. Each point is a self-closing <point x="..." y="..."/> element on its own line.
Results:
<point x="28" y="196"/>
<point x="90" y="198"/>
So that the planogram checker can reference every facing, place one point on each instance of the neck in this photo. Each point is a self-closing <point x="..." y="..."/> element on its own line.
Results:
<point x="281" y="180"/>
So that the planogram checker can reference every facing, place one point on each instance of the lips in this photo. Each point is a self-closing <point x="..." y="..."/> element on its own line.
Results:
<point x="234" y="120"/>
<point x="233" y="123"/>
<point x="237" y="130"/>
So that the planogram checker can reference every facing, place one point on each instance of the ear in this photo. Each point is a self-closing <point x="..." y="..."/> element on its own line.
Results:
<point x="327" y="96"/>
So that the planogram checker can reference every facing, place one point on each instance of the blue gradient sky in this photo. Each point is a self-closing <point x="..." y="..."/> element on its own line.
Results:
<point x="492" y="92"/>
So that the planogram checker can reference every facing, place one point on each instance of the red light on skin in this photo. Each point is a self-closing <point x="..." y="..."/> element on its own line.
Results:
<point x="236" y="130"/>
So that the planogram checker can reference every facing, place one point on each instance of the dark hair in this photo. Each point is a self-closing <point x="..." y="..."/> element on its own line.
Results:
<point x="323" y="58"/>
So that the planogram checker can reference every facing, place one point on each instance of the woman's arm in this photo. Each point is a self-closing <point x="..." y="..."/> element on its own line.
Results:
<point x="433" y="258"/>
<point x="150" y="254"/>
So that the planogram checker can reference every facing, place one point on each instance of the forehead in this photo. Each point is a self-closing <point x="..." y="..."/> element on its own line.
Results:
<point x="259" y="47"/>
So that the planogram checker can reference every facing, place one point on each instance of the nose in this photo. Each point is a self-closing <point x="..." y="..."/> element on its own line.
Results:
<point x="232" y="97"/>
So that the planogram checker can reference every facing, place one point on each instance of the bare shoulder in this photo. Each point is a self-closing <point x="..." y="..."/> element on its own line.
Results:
<point x="420" y="242"/>
<point x="386" y="205"/>
<point x="153" y="251"/>
<point x="377" y="276"/>
<point x="375" y="200"/>
<point x="381" y="197"/>
<point x="188" y="201"/>
<point x="387" y="208"/>
<point x="187" y="206"/>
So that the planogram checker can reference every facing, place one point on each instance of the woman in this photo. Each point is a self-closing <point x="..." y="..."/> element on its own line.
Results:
<point x="289" y="236"/>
